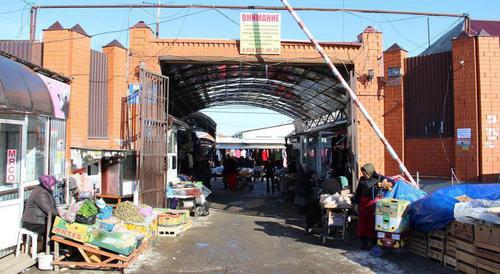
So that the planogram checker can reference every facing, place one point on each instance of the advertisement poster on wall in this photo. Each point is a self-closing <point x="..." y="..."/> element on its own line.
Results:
<point x="59" y="93"/>
<point x="260" y="33"/>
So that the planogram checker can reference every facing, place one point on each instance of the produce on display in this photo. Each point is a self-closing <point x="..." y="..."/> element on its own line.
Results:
<point x="128" y="212"/>
<point x="120" y="242"/>
<point x="88" y="209"/>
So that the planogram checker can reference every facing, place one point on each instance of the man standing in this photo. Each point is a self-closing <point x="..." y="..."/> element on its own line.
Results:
<point x="269" y="168"/>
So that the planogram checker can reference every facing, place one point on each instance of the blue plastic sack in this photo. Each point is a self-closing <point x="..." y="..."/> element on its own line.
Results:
<point x="404" y="191"/>
<point x="436" y="211"/>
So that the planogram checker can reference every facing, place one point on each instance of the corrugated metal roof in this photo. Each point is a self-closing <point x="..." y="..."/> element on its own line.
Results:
<point x="443" y="43"/>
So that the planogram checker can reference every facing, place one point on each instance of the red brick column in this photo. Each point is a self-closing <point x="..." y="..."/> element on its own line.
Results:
<point x="488" y="71"/>
<point x="465" y="83"/>
<point x="394" y="57"/>
<point x="370" y="148"/>
<point x="117" y="88"/>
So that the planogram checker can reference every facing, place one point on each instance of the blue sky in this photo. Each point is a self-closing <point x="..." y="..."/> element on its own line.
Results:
<point x="410" y="34"/>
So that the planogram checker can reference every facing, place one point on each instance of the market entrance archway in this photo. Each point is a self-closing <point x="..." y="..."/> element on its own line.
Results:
<point x="212" y="72"/>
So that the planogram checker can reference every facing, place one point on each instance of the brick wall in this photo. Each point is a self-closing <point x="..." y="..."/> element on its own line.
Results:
<point x="488" y="54"/>
<point x="393" y="109"/>
<point x="427" y="156"/>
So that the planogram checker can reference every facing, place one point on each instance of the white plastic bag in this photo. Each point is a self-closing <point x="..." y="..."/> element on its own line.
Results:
<point x="476" y="211"/>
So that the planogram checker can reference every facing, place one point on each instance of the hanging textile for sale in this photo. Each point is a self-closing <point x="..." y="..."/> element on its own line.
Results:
<point x="231" y="153"/>
<point x="243" y="153"/>
<point x="250" y="153"/>
<point x="277" y="155"/>
<point x="283" y="154"/>
<point x="190" y="160"/>
<point x="265" y="155"/>
<point x="237" y="153"/>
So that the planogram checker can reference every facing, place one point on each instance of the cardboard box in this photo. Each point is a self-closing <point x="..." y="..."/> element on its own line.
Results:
<point x="391" y="207"/>
<point x="74" y="231"/>
<point x="391" y="224"/>
<point x="119" y="242"/>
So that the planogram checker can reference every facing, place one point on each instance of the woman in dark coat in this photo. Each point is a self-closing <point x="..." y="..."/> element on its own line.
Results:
<point x="302" y="187"/>
<point x="39" y="205"/>
<point x="365" y="199"/>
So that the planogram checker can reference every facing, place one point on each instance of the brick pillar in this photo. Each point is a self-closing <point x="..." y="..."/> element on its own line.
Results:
<point x="466" y="105"/>
<point x="67" y="51"/>
<point x="370" y="148"/>
<point x="394" y="57"/>
<point x="488" y="54"/>
<point x="117" y="88"/>
<point x="140" y="48"/>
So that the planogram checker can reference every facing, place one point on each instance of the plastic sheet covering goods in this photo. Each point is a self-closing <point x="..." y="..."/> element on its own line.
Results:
<point x="437" y="210"/>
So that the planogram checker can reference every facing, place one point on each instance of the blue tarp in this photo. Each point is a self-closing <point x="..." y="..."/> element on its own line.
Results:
<point x="435" y="211"/>
<point x="404" y="191"/>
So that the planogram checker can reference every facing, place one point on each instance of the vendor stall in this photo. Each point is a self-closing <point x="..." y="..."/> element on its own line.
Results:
<point x="33" y="112"/>
<point x="186" y="194"/>
<point x="96" y="236"/>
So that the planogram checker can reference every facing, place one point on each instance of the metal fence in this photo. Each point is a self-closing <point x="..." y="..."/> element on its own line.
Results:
<point x="153" y="110"/>
<point x="98" y="95"/>
<point x="24" y="49"/>
<point x="428" y="96"/>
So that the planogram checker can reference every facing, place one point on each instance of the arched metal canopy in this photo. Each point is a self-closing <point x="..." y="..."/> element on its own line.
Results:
<point x="298" y="91"/>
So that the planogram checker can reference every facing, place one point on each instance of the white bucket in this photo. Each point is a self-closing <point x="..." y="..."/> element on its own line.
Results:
<point x="45" y="261"/>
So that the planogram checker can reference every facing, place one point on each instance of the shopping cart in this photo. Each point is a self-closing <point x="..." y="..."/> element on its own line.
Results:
<point x="336" y="222"/>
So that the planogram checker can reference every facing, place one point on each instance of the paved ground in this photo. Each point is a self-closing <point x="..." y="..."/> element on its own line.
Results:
<point x="251" y="232"/>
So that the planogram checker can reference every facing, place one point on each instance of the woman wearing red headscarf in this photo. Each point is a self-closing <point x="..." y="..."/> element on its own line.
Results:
<point x="39" y="205"/>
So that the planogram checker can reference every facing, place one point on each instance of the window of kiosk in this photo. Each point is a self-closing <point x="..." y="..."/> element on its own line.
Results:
<point x="10" y="155"/>
<point x="36" y="149"/>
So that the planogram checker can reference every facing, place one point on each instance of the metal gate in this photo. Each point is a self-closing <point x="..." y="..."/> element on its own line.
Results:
<point x="153" y="110"/>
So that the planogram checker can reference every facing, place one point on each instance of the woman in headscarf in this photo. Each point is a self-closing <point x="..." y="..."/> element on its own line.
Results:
<point x="39" y="205"/>
<point x="365" y="200"/>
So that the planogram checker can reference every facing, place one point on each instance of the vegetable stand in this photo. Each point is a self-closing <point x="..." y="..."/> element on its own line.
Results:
<point x="94" y="257"/>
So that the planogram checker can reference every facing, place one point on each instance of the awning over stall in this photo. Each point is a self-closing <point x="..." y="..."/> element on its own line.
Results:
<point x="22" y="89"/>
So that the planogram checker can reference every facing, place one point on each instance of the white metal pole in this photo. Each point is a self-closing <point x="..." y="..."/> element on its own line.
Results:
<point x="355" y="98"/>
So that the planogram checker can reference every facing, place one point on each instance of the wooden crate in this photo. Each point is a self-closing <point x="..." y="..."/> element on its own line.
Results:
<point x="417" y="243"/>
<point x="465" y="256"/>
<point x="449" y="262"/>
<point x="488" y="260"/>
<point x="450" y="246"/>
<point x="463" y="231"/>
<point x="466" y="268"/>
<point x="437" y="255"/>
<point x="437" y="244"/>
<point x="487" y="234"/>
